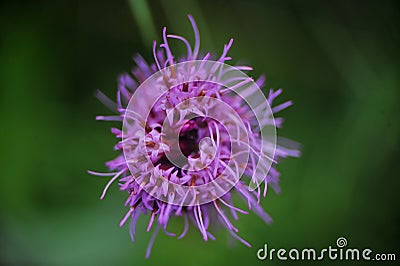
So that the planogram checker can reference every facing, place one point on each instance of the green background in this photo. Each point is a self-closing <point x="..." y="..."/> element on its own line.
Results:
<point x="337" y="60"/>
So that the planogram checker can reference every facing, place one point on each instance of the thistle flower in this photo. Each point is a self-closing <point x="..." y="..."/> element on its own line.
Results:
<point x="195" y="132"/>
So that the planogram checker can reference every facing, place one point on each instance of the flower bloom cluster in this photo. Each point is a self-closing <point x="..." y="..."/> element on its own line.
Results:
<point x="188" y="137"/>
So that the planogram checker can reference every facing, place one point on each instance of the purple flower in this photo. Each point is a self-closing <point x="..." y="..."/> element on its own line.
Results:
<point x="195" y="132"/>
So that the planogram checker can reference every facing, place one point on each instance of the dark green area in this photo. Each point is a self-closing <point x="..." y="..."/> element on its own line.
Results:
<point x="337" y="60"/>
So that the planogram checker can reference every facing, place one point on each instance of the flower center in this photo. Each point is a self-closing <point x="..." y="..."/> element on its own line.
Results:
<point x="188" y="139"/>
<point x="194" y="143"/>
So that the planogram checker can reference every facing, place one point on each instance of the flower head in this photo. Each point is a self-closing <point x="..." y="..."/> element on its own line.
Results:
<point x="195" y="132"/>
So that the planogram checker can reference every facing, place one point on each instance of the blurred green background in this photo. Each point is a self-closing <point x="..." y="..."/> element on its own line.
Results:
<point x="337" y="60"/>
